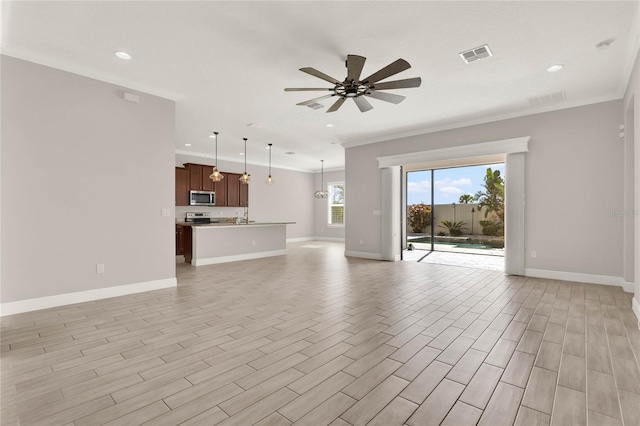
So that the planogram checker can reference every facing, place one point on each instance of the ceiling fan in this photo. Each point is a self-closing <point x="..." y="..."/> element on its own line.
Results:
<point x="355" y="88"/>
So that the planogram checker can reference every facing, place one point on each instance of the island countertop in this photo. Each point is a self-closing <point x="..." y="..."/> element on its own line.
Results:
<point x="210" y="243"/>
<point x="242" y="224"/>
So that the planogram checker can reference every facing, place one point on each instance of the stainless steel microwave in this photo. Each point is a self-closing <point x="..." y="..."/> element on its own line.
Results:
<point x="202" y="198"/>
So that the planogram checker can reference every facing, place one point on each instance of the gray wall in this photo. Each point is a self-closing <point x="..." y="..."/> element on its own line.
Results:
<point x="285" y="201"/>
<point x="575" y="159"/>
<point x="321" y="207"/>
<point x="632" y="181"/>
<point x="85" y="176"/>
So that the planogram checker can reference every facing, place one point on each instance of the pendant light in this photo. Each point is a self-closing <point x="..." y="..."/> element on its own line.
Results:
<point x="322" y="193"/>
<point x="216" y="176"/>
<point x="245" y="178"/>
<point x="270" y="180"/>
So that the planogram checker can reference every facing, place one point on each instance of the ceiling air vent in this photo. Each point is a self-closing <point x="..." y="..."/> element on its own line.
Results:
<point x="476" y="53"/>
<point x="549" y="98"/>
<point x="315" y="105"/>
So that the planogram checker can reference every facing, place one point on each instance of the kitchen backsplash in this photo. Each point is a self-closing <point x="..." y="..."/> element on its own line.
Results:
<point x="218" y="212"/>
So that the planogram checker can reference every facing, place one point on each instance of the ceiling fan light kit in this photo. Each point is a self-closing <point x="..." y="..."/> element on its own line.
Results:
<point x="353" y="87"/>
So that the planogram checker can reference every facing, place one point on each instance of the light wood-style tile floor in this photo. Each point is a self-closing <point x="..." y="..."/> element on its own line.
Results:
<point x="314" y="338"/>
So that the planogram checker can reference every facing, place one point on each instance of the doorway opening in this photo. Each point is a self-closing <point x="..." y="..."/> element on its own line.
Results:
<point x="454" y="214"/>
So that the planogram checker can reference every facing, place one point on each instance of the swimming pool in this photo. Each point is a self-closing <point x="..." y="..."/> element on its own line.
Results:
<point x="467" y="243"/>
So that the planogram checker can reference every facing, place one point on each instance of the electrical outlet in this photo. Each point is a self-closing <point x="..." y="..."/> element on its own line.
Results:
<point x="253" y="242"/>
<point x="360" y="241"/>
<point x="534" y="254"/>
<point x="100" y="268"/>
<point x="165" y="213"/>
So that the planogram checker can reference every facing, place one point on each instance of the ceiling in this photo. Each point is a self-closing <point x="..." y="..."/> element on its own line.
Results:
<point x="226" y="63"/>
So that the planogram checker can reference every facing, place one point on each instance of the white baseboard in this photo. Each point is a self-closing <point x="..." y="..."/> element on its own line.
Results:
<point x="337" y="240"/>
<point x="20" y="306"/>
<point x="235" y="258"/>
<point x="580" y="278"/>
<point x="627" y="286"/>
<point x="363" y="254"/>
<point x="300" y="239"/>
<point x="636" y="309"/>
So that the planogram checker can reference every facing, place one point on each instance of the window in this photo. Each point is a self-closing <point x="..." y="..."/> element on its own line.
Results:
<point x="336" y="203"/>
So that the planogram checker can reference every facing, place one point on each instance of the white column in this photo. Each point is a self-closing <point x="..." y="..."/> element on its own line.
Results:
<point x="514" y="214"/>
<point x="390" y="211"/>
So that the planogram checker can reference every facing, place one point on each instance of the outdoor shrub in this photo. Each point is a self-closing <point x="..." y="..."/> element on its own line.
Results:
<point x="419" y="217"/>
<point x="455" y="228"/>
<point x="493" y="228"/>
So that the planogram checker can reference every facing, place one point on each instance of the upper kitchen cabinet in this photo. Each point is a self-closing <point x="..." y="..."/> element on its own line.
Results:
<point x="233" y="190"/>
<point x="199" y="177"/>
<point x="244" y="195"/>
<point x="182" y="186"/>
<point x="221" y="191"/>
<point x="229" y="191"/>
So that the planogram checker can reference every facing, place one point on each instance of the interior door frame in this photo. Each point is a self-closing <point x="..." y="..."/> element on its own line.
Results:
<point x="514" y="151"/>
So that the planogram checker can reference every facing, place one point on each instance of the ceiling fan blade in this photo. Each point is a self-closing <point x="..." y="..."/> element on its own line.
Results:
<point x="388" y="71"/>
<point x="310" y="101"/>
<point x="336" y="105"/>
<point x="387" y="97"/>
<point x="398" y="84"/>
<point x="355" y="64"/>
<point x="363" y="104"/>
<point x="314" y="72"/>
<point x="304" y="89"/>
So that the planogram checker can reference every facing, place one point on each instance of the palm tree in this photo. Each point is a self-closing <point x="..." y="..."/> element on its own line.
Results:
<point x="466" y="199"/>
<point x="455" y="228"/>
<point x="492" y="198"/>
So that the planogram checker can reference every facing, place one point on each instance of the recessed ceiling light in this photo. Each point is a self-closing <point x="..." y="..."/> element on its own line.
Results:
<point x="122" y="55"/>
<point x="554" y="68"/>
<point x="187" y="144"/>
<point x="289" y="152"/>
<point x="251" y="125"/>
<point x="329" y="125"/>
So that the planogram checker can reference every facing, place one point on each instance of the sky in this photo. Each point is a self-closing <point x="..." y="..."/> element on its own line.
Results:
<point x="449" y="184"/>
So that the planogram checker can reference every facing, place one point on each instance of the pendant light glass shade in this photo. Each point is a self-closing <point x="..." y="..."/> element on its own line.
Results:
<point x="216" y="176"/>
<point x="270" y="180"/>
<point x="322" y="193"/>
<point x="245" y="178"/>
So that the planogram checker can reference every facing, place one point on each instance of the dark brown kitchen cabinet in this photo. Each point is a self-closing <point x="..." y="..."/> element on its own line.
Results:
<point x="183" y="242"/>
<point x="199" y="177"/>
<point x="233" y="190"/>
<point x="221" y="191"/>
<point x="182" y="186"/>
<point x="179" y="240"/>
<point x="229" y="191"/>
<point x="244" y="195"/>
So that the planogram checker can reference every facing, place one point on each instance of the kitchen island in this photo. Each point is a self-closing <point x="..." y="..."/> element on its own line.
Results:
<point x="211" y="243"/>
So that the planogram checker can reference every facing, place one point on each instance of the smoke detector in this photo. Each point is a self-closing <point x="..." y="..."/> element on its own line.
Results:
<point x="476" y="53"/>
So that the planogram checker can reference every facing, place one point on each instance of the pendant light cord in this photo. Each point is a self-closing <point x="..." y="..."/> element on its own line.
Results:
<point x="216" y="134"/>
<point x="245" y="155"/>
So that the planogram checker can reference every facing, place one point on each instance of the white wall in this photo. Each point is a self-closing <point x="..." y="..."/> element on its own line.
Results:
<point x="85" y="176"/>
<point x="285" y="201"/>
<point x="575" y="159"/>
<point x="321" y="207"/>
